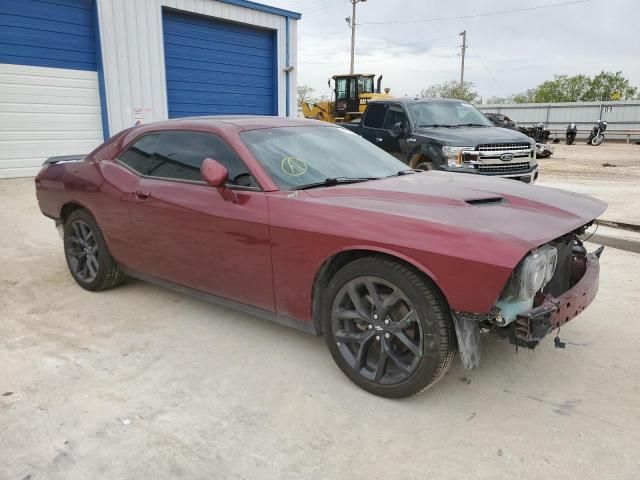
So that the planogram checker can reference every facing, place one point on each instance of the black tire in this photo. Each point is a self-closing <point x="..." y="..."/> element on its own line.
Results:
<point x="570" y="140"/>
<point x="88" y="258"/>
<point x="433" y="329"/>
<point x="426" y="166"/>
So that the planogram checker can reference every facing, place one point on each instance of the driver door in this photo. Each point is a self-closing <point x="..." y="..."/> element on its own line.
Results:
<point x="185" y="232"/>
<point x="395" y="114"/>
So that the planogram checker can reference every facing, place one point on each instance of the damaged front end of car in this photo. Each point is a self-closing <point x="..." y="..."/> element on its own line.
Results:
<point x="550" y="286"/>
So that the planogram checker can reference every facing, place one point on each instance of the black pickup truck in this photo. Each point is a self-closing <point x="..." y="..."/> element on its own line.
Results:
<point x="446" y="134"/>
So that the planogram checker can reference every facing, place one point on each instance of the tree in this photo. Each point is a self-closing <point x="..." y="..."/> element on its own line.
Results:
<point x="304" y="93"/>
<point x="562" y="88"/>
<point x="524" y="97"/>
<point x="451" y="89"/>
<point x="495" y="100"/>
<point x="610" y="86"/>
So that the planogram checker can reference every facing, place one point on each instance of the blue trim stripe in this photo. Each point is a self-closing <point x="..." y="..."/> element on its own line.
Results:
<point x="287" y="74"/>
<point x="264" y="8"/>
<point x="275" y="70"/>
<point x="51" y="33"/>
<point x="216" y="67"/>
<point x="101" y="85"/>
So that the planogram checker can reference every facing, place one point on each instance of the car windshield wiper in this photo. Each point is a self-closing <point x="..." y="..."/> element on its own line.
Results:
<point x="329" y="182"/>
<point x="472" y="125"/>
<point x="436" y="125"/>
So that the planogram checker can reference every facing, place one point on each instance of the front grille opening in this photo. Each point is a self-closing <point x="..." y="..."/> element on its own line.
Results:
<point x="503" y="168"/>
<point x="504" y="147"/>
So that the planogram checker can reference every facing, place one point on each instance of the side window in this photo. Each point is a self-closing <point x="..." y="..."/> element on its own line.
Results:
<point x="395" y="114"/>
<point x="374" y="117"/>
<point x="179" y="156"/>
<point x="341" y="89"/>
<point x="138" y="156"/>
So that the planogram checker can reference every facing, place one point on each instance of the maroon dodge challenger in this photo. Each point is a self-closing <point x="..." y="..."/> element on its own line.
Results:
<point x="309" y="225"/>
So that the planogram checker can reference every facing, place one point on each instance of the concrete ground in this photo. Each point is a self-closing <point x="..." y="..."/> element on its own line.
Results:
<point x="142" y="383"/>
<point x="610" y="172"/>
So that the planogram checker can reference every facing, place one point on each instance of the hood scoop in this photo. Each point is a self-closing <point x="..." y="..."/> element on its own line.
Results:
<point x="487" y="202"/>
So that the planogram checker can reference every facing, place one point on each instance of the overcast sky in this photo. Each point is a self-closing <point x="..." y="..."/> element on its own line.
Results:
<point x="508" y="53"/>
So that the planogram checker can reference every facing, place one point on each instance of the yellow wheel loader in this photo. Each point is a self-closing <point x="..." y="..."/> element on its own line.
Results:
<point x="351" y="94"/>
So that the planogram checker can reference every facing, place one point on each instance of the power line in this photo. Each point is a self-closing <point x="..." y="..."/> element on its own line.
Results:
<point x="475" y="15"/>
<point x="386" y="47"/>
<point x="322" y="7"/>
<point x="495" y="80"/>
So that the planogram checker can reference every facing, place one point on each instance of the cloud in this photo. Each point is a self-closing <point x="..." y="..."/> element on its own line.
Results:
<point x="507" y="53"/>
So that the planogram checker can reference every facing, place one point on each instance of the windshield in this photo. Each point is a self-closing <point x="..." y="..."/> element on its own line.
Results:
<point x="446" y="114"/>
<point x="298" y="156"/>
<point x="365" y="84"/>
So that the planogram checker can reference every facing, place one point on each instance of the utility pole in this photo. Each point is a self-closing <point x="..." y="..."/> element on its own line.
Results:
<point x="464" y="50"/>
<point x="351" y="21"/>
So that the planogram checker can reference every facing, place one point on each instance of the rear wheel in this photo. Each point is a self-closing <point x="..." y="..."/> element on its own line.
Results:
<point x="88" y="258"/>
<point x="388" y="329"/>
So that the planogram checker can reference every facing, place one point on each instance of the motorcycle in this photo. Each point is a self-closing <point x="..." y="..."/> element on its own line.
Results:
<point x="572" y="131"/>
<point x="596" y="137"/>
<point x="541" y="135"/>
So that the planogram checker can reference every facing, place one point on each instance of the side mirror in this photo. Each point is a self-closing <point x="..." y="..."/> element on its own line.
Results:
<point x="214" y="173"/>
<point x="398" y="130"/>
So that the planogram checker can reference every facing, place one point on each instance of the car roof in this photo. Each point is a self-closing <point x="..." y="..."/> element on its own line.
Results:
<point x="232" y="122"/>
<point x="406" y="101"/>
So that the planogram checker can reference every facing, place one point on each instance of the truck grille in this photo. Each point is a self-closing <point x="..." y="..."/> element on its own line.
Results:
<point x="504" y="168"/>
<point x="503" y="147"/>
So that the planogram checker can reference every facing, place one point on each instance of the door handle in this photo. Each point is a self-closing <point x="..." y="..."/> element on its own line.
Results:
<point x="142" y="195"/>
<point x="378" y="139"/>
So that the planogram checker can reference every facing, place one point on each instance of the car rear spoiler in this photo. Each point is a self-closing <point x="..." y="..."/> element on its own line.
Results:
<point x="64" y="158"/>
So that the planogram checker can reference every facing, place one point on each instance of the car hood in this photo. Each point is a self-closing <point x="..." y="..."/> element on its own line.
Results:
<point x="472" y="136"/>
<point x="495" y="208"/>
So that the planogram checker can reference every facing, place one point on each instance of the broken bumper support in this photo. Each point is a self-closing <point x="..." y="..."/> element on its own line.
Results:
<point x="532" y="326"/>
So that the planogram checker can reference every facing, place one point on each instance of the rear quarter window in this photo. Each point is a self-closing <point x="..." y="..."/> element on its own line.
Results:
<point x="138" y="156"/>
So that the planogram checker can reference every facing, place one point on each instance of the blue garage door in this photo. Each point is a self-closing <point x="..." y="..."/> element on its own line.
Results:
<point x="51" y="33"/>
<point x="49" y="86"/>
<point x="215" y="67"/>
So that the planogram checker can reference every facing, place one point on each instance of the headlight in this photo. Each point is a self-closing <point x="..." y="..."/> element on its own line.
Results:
<point x="535" y="271"/>
<point x="455" y="156"/>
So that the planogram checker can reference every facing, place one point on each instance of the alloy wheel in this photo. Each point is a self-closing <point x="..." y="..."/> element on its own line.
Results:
<point x="82" y="250"/>
<point x="377" y="330"/>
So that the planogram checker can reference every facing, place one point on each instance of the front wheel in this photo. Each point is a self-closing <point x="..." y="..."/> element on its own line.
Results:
<point x="597" y="140"/>
<point x="388" y="328"/>
<point x="570" y="139"/>
<point x="426" y="166"/>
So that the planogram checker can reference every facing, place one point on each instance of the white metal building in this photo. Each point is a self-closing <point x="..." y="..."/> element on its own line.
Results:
<point x="74" y="72"/>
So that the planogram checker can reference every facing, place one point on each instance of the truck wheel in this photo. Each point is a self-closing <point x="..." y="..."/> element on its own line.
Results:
<point x="420" y="161"/>
<point x="388" y="328"/>
<point x="426" y="166"/>
<point x="89" y="261"/>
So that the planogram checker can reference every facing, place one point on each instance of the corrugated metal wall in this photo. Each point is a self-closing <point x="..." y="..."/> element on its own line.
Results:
<point x="133" y="56"/>
<point x="623" y="115"/>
